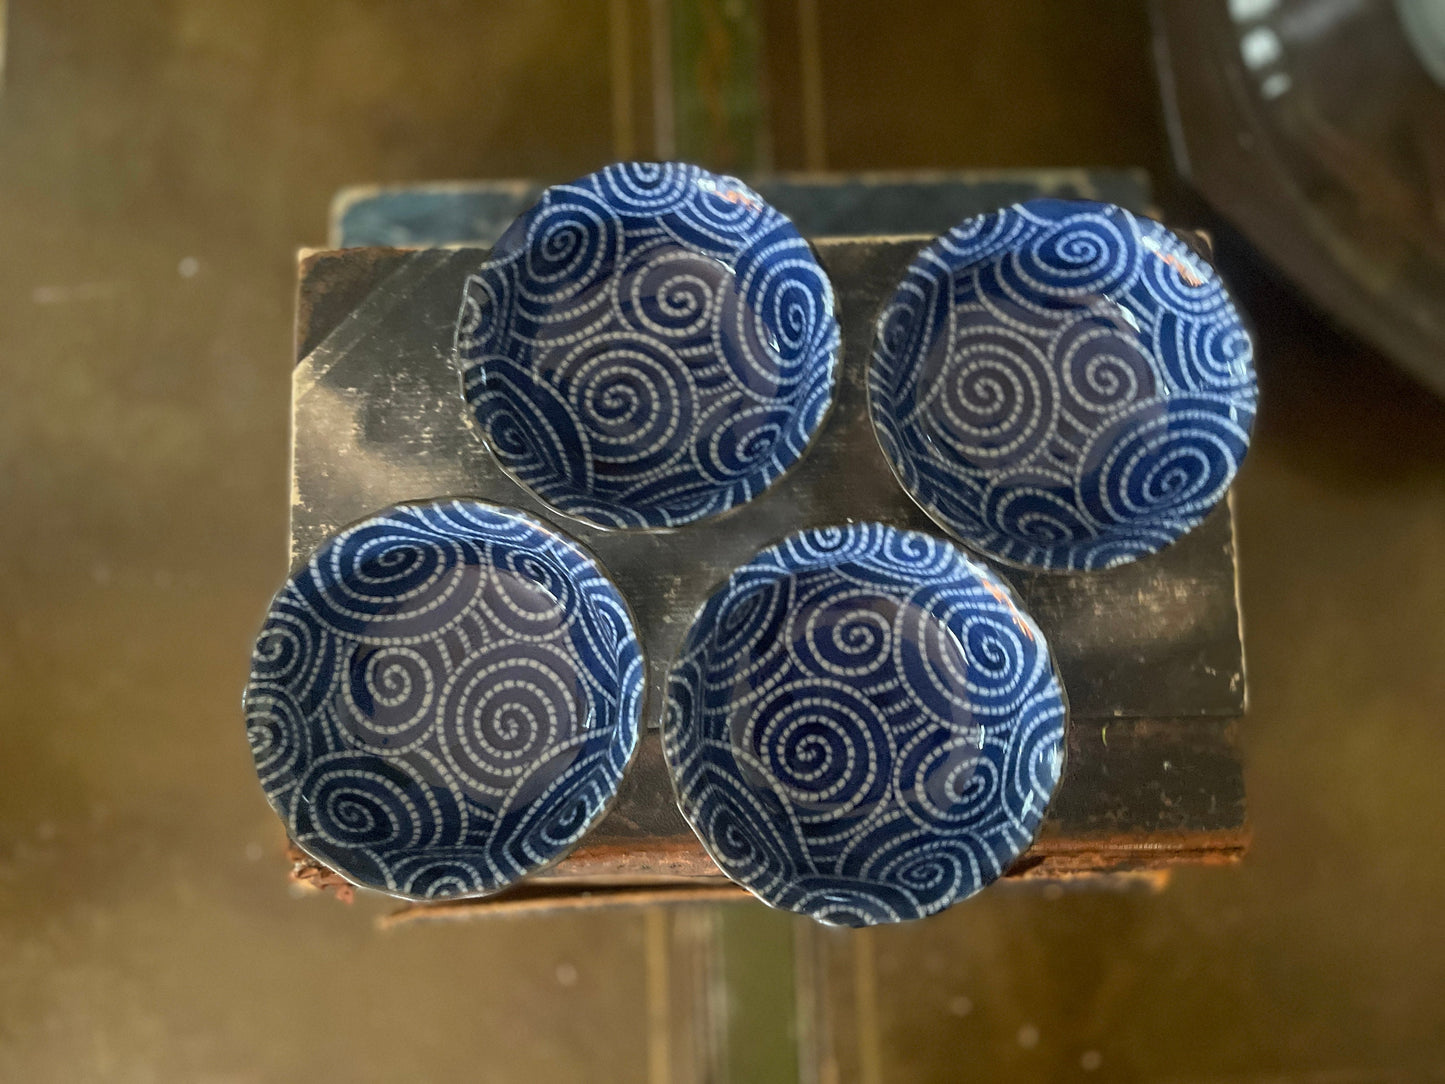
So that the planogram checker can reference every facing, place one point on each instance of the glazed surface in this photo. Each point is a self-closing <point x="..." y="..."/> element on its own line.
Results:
<point x="1063" y="384"/>
<point x="649" y="345"/>
<point x="443" y="699"/>
<point x="863" y="727"/>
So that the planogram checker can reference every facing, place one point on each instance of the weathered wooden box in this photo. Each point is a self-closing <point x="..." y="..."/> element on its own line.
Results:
<point x="1151" y="654"/>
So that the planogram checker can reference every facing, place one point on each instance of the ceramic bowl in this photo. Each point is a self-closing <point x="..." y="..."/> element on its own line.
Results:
<point x="648" y="345"/>
<point x="1063" y="385"/>
<point x="863" y="726"/>
<point x="443" y="699"/>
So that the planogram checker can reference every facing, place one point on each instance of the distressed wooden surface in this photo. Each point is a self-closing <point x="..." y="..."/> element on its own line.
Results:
<point x="821" y="205"/>
<point x="1150" y="654"/>
<point x="378" y="418"/>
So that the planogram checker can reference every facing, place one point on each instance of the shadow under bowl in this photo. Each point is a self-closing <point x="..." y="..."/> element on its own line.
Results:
<point x="443" y="699"/>
<point x="863" y="727"/>
<point x="1063" y="385"/>
<point x="648" y="345"/>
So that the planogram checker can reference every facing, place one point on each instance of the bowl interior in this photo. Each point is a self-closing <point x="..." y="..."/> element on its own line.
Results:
<point x="1063" y="385"/>
<point x="443" y="699"/>
<point x="863" y="727"/>
<point x="648" y="345"/>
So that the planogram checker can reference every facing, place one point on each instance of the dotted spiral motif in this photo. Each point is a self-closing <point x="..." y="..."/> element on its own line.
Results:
<point x="648" y="345"/>
<point x="444" y="699"/>
<point x="1063" y="385"/>
<point x="862" y="726"/>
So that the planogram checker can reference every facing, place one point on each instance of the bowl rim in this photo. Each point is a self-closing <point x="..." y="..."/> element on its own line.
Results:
<point x="542" y="524"/>
<point x="833" y="358"/>
<point x="1006" y="594"/>
<point x="1198" y="243"/>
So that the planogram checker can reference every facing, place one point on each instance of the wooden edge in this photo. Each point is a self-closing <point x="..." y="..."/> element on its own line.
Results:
<point x="1149" y="861"/>
<point x="615" y="873"/>
<point x="306" y="872"/>
<point x="677" y="857"/>
<point x="558" y="899"/>
<point x="330" y="283"/>
<point x="552" y="899"/>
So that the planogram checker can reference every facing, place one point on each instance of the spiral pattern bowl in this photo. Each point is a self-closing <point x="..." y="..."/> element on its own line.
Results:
<point x="863" y="727"/>
<point x="1063" y="385"/>
<point x="648" y="345"/>
<point x="443" y="699"/>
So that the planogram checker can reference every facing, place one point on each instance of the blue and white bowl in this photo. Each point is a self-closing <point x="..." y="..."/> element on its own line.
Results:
<point x="648" y="345"/>
<point x="443" y="699"/>
<point x="1063" y="385"/>
<point x="863" y="726"/>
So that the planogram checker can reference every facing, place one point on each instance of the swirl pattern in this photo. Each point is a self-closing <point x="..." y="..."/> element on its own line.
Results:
<point x="862" y="726"/>
<point x="443" y="699"/>
<point x="649" y="345"/>
<point x="1063" y="385"/>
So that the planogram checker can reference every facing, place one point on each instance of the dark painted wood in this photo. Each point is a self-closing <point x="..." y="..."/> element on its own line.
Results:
<point x="1150" y="654"/>
<point x="840" y="205"/>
